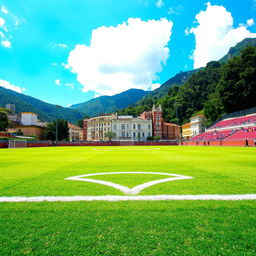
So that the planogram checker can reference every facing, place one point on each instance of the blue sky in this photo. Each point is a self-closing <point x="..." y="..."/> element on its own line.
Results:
<point x="69" y="51"/>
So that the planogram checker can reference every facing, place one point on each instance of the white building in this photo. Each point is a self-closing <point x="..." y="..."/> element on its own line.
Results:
<point x="131" y="128"/>
<point x="197" y="124"/>
<point x="97" y="127"/>
<point x="126" y="128"/>
<point x="28" y="118"/>
<point x="75" y="132"/>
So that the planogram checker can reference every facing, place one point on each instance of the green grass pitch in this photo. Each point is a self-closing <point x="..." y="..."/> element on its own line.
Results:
<point x="127" y="227"/>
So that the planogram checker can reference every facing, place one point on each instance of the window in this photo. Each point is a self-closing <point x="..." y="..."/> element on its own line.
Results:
<point x="143" y="135"/>
<point x="115" y="126"/>
<point x="127" y="134"/>
<point x="134" y="134"/>
<point x="149" y="126"/>
<point x="127" y="126"/>
<point x="134" y="126"/>
<point x="123" y="134"/>
<point x="139" y="126"/>
<point x="123" y="126"/>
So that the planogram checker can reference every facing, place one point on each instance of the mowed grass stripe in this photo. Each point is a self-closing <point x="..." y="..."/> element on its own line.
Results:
<point x="42" y="171"/>
<point x="187" y="228"/>
<point x="128" y="228"/>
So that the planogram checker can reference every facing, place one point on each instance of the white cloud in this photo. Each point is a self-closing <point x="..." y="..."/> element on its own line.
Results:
<point x="160" y="3"/>
<point x="6" y="43"/>
<point x="177" y="10"/>
<point x="70" y="85"/>
<point x="7" y="85"/>
<point x="215" y="34"/>
<point x="57" y="82"/>
<point x="4" y="9"/>
<point x="250" y="22"/>
<point x="122" y="57"/>
<point x="69" y="105"/>
<point x="5" y="24"/>
<point x="96" y="95"/>
<point x="187" y="31"/>
<point x="155" y="86"/>
<point x="61" y="45"/>
<point x="2" y="22"/>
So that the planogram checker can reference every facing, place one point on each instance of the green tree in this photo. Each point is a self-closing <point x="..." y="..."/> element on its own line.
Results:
<point x="80" y="123"/>
<point x="3" y="118"/>
<point x="62" y="130"/>
<point x="213" y="108"/>
<point x="237" y="86"/>
<point x="110" y="135"/>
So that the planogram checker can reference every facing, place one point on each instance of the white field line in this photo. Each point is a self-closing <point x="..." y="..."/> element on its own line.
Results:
<point x="112" y="198"/>
<point x="129" y="191"/>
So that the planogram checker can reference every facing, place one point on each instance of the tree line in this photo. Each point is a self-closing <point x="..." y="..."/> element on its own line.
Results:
<point x="215" y="90"/>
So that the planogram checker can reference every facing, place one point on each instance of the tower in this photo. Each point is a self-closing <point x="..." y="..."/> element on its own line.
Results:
<point x="85" y="128"/>
<point x="157" y="119"/>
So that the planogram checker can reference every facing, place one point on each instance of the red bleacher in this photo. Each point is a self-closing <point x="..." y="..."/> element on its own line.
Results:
<point x="236" y="129"/>
<point x="248" y="133"/>
<point x="212" y="136"/>
<point x="238" y="121"/>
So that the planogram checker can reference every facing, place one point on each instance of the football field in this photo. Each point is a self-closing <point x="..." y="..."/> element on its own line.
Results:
<point x="151" y="200"/>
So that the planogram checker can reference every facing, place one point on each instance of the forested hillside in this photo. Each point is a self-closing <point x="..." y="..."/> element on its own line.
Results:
<point x="45" y="111"/>
<point x="217" y="89"/>
<point x="108" y="104"/>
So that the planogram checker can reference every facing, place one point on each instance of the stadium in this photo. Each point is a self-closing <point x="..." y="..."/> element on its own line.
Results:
<point x="111" y="198"/>
<point x="127" y="128"/>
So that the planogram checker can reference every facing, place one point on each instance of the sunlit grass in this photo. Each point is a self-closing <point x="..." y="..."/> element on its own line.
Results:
<point x="127" y="228"/>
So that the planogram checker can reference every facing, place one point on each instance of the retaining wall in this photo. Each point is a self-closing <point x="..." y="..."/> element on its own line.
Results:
<point x="225" y="143"/>
<point x="114" y="143"/>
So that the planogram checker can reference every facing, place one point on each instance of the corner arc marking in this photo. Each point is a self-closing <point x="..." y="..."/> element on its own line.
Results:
<point x="129" y="191"/>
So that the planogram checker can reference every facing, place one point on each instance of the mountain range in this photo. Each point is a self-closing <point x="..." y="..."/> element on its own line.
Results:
<point x="108" y="104"/>
<point x="45" y="111"/>
<point x="103" y="104"/>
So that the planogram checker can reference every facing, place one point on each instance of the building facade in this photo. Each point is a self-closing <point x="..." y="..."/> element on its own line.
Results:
<point x="197" y="124"/>
<point x="29" y="130"/>
<point x="26" y="122"/>
<point x="186" y="131"/>
<point x="129" y="128"/>
<point x="171" y="131"/>
<point x="194" y="127"/>
<point x="95" y="128"/>
<point x="28" y="118"/>
<point x="160" y="129"/>
<point x="75" y="132"/>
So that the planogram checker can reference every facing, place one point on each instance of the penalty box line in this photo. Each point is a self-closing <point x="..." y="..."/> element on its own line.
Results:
<point x="112" y="198"/>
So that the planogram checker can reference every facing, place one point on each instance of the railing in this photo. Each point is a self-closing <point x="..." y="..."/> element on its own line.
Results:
<point x="240" y="113"/>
